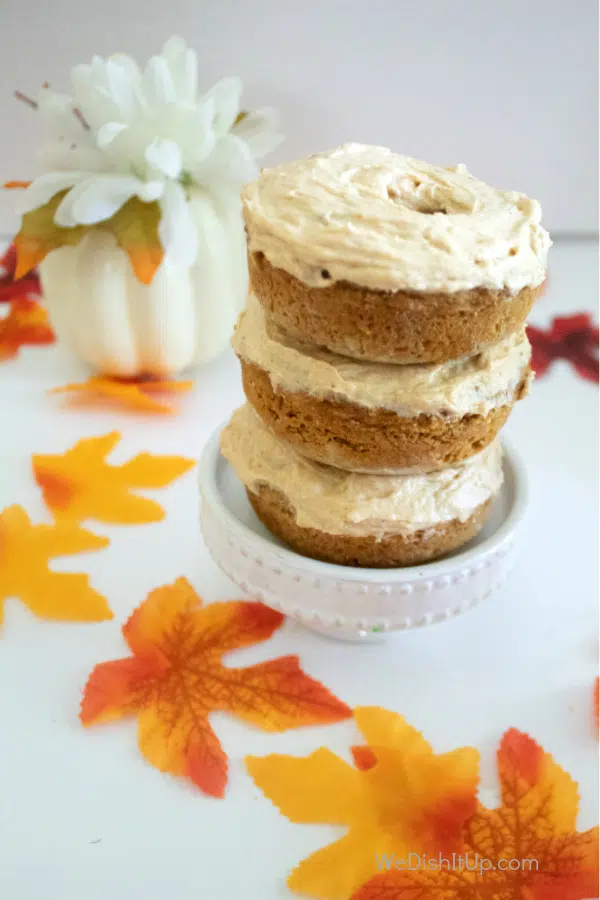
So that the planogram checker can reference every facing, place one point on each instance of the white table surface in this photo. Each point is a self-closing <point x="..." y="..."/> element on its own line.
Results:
<point x="84" y="817"/>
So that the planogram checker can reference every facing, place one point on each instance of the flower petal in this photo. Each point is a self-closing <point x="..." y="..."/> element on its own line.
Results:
<point x="229" y="165"/>
<point x="129" y="64"/>
<point x="108" y="133"/>
<point x="165" y="156"/>
<point x="177" y="230"/>
<point x="158" y="84"/>
<point x="63" y="156"/>
<point x="197" y="140"/>
<point x="123" y="84"/>
<point x="59" y="116"/>
<point x="173" y="49"/>
<point x="92" y="94"/>
<point x="259" y="130"/>
<point x="96" y="199"/>
<point x="183" y="66"/>
<point x="46" y="187"/>
<point x="149" y="191"/>
<point x="225" y="95"/>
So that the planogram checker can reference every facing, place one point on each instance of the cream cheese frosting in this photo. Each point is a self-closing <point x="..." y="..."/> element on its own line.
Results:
<point x="388" y="222"/>
<point x="339" y="502"/>
<point x="469" y="386"/>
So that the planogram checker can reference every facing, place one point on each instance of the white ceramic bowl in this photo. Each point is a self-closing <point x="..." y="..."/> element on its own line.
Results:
<point x="345" y="602"/>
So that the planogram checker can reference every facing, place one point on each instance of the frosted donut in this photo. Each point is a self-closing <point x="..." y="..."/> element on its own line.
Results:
<point x="383" y="257"/>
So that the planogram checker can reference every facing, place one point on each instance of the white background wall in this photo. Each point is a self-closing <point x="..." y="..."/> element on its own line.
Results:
<point x="510" y="87"/>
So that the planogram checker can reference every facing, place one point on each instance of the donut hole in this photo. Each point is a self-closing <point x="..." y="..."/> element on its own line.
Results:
<point x="405" y="190"/>
<point x="428" y="197"/>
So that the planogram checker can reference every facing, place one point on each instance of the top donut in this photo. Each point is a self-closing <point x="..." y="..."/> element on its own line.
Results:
<point x="382" y="257"/>
<point x="371" y="217"/>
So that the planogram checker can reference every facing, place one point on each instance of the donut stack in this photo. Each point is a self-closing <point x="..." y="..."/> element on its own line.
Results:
<point x="382" y="350"/>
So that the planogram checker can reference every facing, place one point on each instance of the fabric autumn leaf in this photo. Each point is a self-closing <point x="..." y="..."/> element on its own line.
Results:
<point x="134" y="226"/>
<point x="26" y="323"/>
<point x="175" y="679"/>
<point x="572" y="338"/>
<point x="136" y="394"/>
<point x="39" y="236"/>
<point x="9" y="288"/>
<point x="409" y="800"/>
<point x="535" y="821"/>
<point x="80" y="484"/>
<point x="25" y="553"/>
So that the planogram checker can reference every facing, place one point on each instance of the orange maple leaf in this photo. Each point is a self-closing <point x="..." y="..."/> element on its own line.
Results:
<point x="25" y="323"/>
<point x="533" y="830"/>
<point x="79" y="484"/>
<point x="131" y="393"/>
<point x="410" y="800"/>
<point x="25" y="551"/>
<point x="175" y="679"/>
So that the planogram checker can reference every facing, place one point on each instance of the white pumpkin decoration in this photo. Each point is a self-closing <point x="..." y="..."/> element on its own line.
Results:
<point x="122" y="327"/>
<point x="140" y="158"/>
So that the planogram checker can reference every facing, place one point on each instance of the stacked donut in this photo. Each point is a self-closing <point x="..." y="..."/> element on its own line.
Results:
<point x="382" y="350"/>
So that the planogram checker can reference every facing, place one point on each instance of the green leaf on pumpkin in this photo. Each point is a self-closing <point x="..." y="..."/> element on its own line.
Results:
<point x="134" y="226"/>
<point x="39" y="235"/>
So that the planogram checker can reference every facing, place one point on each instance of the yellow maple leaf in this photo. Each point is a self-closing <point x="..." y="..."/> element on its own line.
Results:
<point x="134" y="226"/>
<point x="79" y="484"/>
<point x="409" y="800"/>
<point x="526" y="849"/>
<point x="25" y="551"/>
<point x="131" y="393"/>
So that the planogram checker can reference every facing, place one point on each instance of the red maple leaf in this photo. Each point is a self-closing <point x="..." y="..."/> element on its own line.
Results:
<point x="9" y="287"/>
<point x="574" y="338"/>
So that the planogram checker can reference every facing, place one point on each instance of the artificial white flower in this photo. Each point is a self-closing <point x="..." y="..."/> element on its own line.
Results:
<point x="128" y="132"/>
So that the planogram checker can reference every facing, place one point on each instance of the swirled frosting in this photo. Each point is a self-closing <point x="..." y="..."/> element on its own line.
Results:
<point x="388" y="222"/>
<point x="469" y="386"/>
<point x="340" y="502"/>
